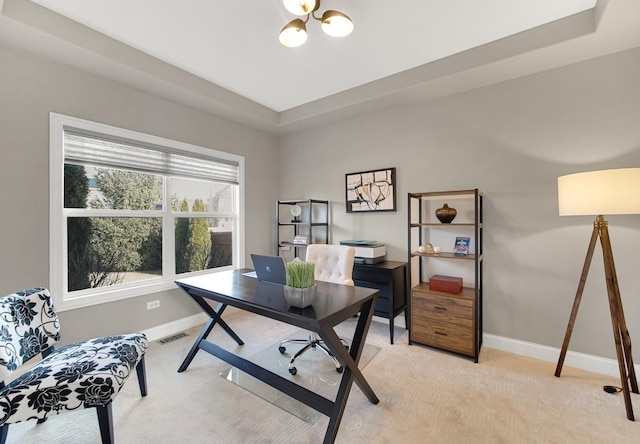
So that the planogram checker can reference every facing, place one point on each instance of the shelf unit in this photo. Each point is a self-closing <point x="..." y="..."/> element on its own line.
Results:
<point x="312" y="222"/>
<point x="451" y="322"/>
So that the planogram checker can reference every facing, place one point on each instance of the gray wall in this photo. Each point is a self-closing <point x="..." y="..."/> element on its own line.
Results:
<point x="511" y="140"/>
<point x="32" y="87"/>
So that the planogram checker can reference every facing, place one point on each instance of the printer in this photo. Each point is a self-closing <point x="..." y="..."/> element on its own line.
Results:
<point x="367" y="251"/>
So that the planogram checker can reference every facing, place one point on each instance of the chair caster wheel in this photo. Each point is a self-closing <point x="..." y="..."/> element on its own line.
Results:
<point x="293" y="371"/>
<point x="340" y="369"/>
<point x="282" y="349"/>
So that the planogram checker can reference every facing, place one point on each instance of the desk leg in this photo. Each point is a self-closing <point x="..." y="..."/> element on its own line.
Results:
<point x="352" y="358"/>
<point x="339" y="406"/>
<point x="217" y="315"/>
<point x="196" y="345"/>
<point x="215" y="318"/>
<point x="351" y="370"/>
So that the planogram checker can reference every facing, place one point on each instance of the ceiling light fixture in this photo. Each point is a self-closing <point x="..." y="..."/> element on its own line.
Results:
<point x="334" y="23"/>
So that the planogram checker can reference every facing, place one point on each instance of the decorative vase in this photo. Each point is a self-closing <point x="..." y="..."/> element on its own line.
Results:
<point x="300" y="297"/>
<point x="446" y="214"/>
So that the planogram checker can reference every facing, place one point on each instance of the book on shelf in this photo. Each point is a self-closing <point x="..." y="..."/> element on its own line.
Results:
<point x="301" y="239"/>
<point x="462" y="246"/>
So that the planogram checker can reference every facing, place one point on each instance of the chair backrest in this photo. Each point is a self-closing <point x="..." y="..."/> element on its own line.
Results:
<point x="28" y="326"/>
<point x="333" y="263"/>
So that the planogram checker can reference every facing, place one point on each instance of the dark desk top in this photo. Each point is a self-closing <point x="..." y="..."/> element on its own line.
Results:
<point x="333" y="304"/>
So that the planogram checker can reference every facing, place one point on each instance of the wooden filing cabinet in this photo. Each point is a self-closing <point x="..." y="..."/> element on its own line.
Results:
<point x="443" y="320"/>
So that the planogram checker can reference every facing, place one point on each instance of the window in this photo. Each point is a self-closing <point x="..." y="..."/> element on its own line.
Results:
<point x="132" y="212"/>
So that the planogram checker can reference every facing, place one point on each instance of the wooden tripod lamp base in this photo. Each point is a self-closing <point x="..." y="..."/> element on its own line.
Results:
<point x="603" y="192"/>
<point x="620" y="333"/>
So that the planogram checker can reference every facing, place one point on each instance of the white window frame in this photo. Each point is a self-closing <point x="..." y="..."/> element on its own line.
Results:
<point x="57" y="226"/>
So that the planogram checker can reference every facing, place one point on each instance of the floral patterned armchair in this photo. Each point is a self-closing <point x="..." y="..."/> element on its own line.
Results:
<point x="76" y="376"/>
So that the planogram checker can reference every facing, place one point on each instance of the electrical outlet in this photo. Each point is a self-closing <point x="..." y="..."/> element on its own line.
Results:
<point x="153" y="304"/>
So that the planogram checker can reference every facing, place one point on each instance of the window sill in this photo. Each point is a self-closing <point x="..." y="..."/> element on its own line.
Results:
<point x="92" y="297"/>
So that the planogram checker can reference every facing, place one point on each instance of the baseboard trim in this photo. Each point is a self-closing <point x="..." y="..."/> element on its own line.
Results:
<point x="582" y="361"/>
<point x="173" y="327"/>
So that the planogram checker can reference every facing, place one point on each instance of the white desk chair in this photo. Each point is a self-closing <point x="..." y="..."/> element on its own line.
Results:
<point x="333" y="263"/>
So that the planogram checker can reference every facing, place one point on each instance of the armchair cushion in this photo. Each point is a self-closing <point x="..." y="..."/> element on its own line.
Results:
<point x="80" y="375"/>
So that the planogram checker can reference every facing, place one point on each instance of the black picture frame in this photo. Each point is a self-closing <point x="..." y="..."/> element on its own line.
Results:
<point x="371" y="191"/>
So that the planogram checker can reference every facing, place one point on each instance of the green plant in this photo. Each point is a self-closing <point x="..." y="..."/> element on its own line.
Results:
<point x="300" y="274"/>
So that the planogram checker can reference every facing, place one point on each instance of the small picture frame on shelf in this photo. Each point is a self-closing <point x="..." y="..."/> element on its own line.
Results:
<point x="461" y="246"/>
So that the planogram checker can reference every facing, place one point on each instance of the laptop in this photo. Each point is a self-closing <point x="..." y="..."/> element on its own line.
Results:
<point x="269" y="268"/>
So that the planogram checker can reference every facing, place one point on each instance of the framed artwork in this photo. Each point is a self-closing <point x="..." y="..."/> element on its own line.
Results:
<point x="368" y="191"/>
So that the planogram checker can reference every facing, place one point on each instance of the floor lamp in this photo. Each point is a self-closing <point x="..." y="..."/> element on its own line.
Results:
<point x="598" y="193"/>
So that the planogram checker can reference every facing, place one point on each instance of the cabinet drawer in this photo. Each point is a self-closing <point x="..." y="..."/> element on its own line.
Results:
<point x="450" y="337"/>
<point x="383" y="287"/>
<point x="383" y="304"/>
<point x="457" y="310"/>
<point x="371" y="273"/>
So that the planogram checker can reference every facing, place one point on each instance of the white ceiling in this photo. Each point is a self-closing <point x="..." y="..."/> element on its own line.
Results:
<point x="229" y="60"/>
<point x="235" y="44"/>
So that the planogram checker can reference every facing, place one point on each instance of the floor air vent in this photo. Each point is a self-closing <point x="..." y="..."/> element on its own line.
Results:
<point x="172" y="338"/>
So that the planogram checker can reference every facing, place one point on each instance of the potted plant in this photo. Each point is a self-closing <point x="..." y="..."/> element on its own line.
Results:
<point x="300" y="290"/>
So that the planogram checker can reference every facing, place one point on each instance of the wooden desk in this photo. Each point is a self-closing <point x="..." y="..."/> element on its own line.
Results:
<point x="390" y="277"/>
<point x="334" y="304"/>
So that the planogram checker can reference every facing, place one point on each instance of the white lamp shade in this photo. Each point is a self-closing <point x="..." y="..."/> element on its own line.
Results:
<point x="336" y="24"/>
<point x="600" y="192"/>
<point x="300" y="7"/>
<point x="293" y="34"/>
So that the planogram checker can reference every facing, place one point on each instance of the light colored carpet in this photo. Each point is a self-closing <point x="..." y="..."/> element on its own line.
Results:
<point x="426" y="396"/>
<point x="315" y="371"/>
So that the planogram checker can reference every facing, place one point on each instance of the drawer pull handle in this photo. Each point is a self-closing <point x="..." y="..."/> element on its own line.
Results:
<point x="440" y="333"/>
<point x="440" y="308"/>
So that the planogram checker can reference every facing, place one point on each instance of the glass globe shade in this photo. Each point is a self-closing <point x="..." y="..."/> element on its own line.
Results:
<point x="293" y="34"/>
<point x="336" y="24"/>
<point x="300" y="7"/>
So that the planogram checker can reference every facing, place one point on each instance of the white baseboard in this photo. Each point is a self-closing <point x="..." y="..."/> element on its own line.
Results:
<point x="545" y="353"/>
<point x="582" y="361"/>
<point x="171" y="328"/>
